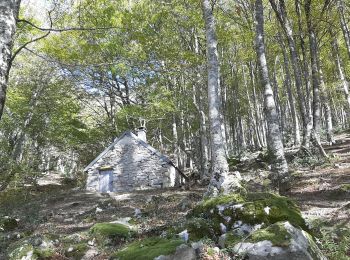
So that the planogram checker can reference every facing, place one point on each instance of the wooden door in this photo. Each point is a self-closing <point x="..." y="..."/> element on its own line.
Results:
<point x="106" y="181"/>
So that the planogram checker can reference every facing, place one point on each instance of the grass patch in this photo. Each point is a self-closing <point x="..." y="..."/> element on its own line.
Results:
<point x="148" y="249"/>
<point x="333" y="241"/>
<point x="44" y="253"/>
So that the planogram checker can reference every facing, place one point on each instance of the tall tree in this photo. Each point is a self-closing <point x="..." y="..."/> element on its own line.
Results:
<point x="219" y="167"/>
<point x="314" y="72"/>
<point x="282" y="17"/>
<point x="8" y="15"/>
<point x="280" y="176"/>
<point x="344" y="25"/>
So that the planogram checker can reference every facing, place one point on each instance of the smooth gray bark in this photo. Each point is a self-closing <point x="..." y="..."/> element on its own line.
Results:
<point x="306" y="75"/>
<point x="327" y="110"/>
<point x="341" y="72"/>
<point x="287" y="82"/>
<point x="8" y="14"/>
<point x="344" y="26"/>
<point x="257" y="142"/>
<point x="280" y="176"/>
<point x="219" y="182"/>
<point x="314" y="72"/>
<point x="205" y="163"/>
<point x="281" y="14"/>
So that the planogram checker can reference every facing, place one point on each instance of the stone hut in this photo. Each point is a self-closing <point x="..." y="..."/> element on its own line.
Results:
<point x="130" y="163"/>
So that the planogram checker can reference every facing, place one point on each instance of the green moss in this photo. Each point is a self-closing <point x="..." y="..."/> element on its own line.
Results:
<point x="276" y="233"/>
<point x="46" y="253"/>
<point x="231" y="240"/>
<point x="313" y="248"/>
<point x="345" y="187"/>
<point x="220" y="200"/>
<point x="280" y="209"/>
<point x="76" y="251"/>
<point x="148" y="249"/>
<point x="199" y="228"/>
<point x="210" y="251"/>
<point x="254" y="208"/>
<point x="22" y="251"/>
<point x="112" y="230"/>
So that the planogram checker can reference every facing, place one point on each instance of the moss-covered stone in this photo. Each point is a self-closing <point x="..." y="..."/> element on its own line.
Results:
<point x="24" y="250"/>
<point x="76" y="251"/>
<point x="148" y="249"/>
<point x="199" y="228"/>
<point x="279" y="241"/>
<point x="112" y="230"/>
<point x="250" y="208"/>
<point x="276" y="233"/>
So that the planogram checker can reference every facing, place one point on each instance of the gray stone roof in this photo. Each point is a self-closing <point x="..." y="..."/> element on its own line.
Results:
<point x="140" y="142"/>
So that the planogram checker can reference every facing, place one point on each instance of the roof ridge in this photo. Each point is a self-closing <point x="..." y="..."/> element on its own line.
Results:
<point x="139" y="141"/>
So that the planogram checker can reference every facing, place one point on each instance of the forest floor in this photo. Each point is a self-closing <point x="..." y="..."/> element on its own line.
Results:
<point x="324" y="192"/>
<point x="62" y="215"/>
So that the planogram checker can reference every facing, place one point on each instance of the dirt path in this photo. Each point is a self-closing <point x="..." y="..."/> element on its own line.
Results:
<point x="325" y="191"/>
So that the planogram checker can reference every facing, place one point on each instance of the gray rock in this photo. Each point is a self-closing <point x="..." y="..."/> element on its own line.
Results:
<point x="183" y="252"/>
<point x="222" y="240"/>
<point x="301" y="247"/>
<point x="90" y="254"/>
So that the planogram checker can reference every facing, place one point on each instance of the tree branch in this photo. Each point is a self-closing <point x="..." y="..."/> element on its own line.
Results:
<point x="64" y="29"/>
<point x="25" y="45"/>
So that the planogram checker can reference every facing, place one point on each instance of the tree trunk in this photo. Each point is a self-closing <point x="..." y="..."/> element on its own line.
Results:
<point x="219" y="167"/>
<point x="327" y="110"/>
<point x="315" y="73"/>
<point x="8" y="14"/>
<point x="198" y="89"/>
<point x="256" y="139"/>
<point x="306" y="75"/>
<point x="280" y="176"/>
<point x="341" y="71"/>
<point x="344" y="26"/>
<point x="287" y="82"/>
<point x="287" y="28"/>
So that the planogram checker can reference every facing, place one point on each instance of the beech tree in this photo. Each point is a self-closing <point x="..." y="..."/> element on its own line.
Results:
<point x="280" y="177"/>
<point x="220" y="182"/>
<point x="9" y="10"/>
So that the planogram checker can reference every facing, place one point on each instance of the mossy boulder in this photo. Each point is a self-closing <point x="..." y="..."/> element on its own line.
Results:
<point x="199" y="228"/>
<point x="250" y="208"/>
<point x="76" y="251"/>
<point x="112" y="230"/>
<point x="280" y="240"/>
<point x="276" y="233"/>
<point x="148" y="249"/>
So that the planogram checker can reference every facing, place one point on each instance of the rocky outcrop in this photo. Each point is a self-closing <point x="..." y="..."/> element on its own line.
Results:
<point x="255" y="225"/>
<point x="279" y="242"/>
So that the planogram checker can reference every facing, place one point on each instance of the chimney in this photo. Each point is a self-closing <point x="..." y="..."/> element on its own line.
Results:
<point x="141" y="133"/>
